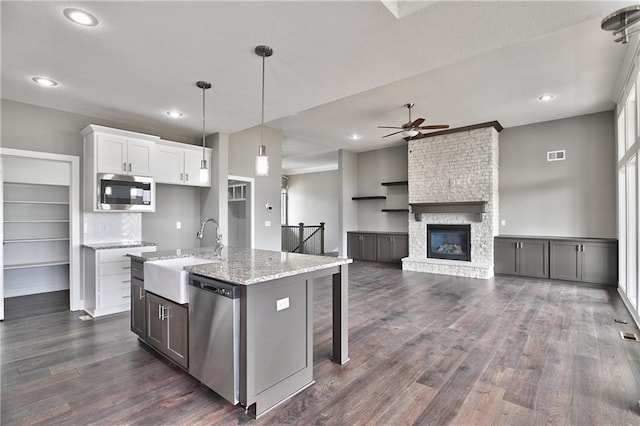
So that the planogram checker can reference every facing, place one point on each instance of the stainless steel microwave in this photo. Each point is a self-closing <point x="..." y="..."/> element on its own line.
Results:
<point x="125" y="193"/>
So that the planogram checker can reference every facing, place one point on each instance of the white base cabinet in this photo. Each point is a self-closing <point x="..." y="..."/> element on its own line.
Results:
<point x="107" y="279"/>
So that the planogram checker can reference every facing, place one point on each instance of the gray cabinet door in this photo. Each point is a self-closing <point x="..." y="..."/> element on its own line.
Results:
<point x="138" y="307"/>
<point x="368" y="250"/>
<point x="506" y="256"/>
<point x="599" y="263"/>
<point x="400" y="247"/>
<point x="384" y="248"/>
<point x="534" y="258"/>
<point x="565" y="261"/>
<point x="177" y="329"/>
<point x="155" y="325"/>
<point x="353" y="245"/>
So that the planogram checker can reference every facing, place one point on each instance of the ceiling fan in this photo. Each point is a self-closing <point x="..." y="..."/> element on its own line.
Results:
<point x="412" y="129"/>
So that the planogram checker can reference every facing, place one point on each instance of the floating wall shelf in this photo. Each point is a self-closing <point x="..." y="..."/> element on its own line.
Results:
<point x="370" y="197"/>
<point x="397" y="183"/>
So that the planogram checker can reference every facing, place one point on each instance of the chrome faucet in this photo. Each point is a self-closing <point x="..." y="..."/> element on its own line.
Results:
<point x="200" y="234"/>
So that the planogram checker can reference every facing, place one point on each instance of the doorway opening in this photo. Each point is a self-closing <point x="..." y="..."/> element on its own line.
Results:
<point x="240" y="196"/>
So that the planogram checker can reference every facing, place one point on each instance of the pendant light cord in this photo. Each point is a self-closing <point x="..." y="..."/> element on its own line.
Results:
<point x="262" y="116"/>
<point x="203" y="115"/>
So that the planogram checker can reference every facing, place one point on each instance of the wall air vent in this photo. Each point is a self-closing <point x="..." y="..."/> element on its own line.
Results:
<point x="556" y="155"/>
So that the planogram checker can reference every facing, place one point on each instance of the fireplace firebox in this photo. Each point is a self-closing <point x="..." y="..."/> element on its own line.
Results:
<point x="452" y="242"/>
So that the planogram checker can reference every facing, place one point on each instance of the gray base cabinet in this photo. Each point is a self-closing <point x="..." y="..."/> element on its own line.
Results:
<point x="138" y="305"/>
<point x="377" y="247"/>
<point x="525" y="257"/>
<point x="585" y="261"/>
<point x="168" y="328"/>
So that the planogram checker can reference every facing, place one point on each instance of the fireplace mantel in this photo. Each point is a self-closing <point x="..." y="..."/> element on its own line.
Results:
<point x="475" y="207"/>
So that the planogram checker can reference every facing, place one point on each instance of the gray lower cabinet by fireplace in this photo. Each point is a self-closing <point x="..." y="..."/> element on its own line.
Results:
<point x="583" y="260"/>
<point x="588" y="260"/>
<point x="388" y="247"/>
<point x="519" y="256"/>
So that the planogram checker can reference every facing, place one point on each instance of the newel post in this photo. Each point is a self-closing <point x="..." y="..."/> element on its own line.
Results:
<point x="300" y="237"/>
<point x="321" y="237"/>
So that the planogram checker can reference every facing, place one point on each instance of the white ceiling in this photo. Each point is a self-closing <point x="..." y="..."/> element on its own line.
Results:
<point x="338" y="67"/>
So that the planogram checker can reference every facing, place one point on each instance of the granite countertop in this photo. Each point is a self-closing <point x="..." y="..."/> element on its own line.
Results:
<point x="247" y="266"/>
<point x="118" y="245"/>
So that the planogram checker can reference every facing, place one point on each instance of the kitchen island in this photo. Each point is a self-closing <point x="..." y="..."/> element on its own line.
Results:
<point x="275" y="301"/>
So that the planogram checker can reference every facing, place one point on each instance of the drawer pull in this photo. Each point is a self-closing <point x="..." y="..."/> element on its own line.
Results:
<point x="127" y="281"/>
<point x="127" y="296"/>
<point x="126" y="267"/>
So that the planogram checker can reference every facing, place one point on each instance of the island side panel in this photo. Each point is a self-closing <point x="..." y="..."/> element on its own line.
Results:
<point x="277" y="343"/>
<point x="340" y="304"/>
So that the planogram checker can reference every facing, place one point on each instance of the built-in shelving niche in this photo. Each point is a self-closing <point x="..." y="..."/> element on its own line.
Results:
<point x="36" y="238"/>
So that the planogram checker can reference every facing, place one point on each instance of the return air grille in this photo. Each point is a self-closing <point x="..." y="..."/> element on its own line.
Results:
<point x="556" y="155"/>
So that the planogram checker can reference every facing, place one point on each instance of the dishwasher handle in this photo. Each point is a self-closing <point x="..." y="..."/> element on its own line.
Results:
<point x="214" y="286"/>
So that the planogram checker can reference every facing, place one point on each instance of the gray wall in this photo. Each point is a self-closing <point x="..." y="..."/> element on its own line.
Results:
<point x="574" y="197"/>
<point x="173" y="203"/>
<point x="243" y="148"/>
<point x="312" y="199"/>
<point x="213" y="200"/>
<point x="348" y="187"/>
<point x="375" y="167"/>
<point x="34" y="128"/>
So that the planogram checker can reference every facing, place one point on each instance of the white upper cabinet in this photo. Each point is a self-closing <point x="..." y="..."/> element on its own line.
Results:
<point x="124" y="155"/>
<point x="179" y="164"/>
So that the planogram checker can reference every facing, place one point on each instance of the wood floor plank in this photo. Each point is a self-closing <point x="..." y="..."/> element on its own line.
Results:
<point x="424" y="348"/>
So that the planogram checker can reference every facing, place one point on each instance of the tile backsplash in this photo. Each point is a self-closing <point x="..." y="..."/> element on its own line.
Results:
<point x="111" y="227"/>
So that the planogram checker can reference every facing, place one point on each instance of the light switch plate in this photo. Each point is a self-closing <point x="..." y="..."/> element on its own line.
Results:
<point x="178" y="225"/>
<point x="267" y="223"/>
<point x="503" y="222"/>
<point x="282" y="304"/>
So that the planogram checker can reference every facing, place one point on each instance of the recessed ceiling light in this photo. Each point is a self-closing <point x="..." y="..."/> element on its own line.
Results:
<point x="80" y="17"/>
<point x="44" y="81"/>
<point x="354" y="137"/>
<point x="174" y="114"/>
<point x="545" y="98"/>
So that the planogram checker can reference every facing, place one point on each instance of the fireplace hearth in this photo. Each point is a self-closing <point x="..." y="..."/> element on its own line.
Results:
<point x="452" y="242"/>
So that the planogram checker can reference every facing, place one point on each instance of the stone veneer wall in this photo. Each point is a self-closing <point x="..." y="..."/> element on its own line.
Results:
<point x="454" y="167"/>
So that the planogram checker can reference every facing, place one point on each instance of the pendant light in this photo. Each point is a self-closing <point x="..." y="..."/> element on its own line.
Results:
<point x="204" y="171"/>
<point x="262" y="160"/>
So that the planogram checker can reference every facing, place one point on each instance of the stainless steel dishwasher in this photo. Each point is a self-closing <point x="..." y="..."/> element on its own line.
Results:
<point x="214" y="335"/>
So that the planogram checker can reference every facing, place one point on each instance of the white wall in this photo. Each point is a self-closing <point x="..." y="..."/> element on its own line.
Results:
<point x="575" y="197"/>
<point x="313" y="199"/>
<point x="243" y="148"/>
<point x="375" y="167"/>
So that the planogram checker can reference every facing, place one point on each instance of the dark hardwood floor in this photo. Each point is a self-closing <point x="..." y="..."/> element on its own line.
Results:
<point x="36" y="304"/>
<point x="425" y="349"/>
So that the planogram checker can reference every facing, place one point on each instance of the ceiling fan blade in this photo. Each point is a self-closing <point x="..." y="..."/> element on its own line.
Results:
<point x="390" y="127"/>
<point x="419" y="136"/>
<point x="434" y="126"/>
<point x="391" y="134"/>
<point x="417" y="122"/>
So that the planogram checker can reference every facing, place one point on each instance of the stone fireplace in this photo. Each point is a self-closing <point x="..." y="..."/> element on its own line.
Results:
<point x="453" y="186"/>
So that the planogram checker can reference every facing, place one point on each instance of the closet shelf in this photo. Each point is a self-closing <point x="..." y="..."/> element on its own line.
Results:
<point x="35" y="240"/>
<point x="60" y="203"/>
<point x="35" y="264"/>
<point x="38" y="221"/>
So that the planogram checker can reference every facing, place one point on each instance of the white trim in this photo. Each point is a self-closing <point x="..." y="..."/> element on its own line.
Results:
<point x="75" y="301"/>
<point x="251" y="181"/>
<point x="629" y="306"/>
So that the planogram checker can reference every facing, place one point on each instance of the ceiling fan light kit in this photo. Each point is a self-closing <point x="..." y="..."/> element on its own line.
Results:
<point x="621" y="22"/>
<point x="412" y="129"/>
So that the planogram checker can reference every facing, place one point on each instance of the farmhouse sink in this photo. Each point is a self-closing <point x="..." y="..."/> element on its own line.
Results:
<point x="167" y="278"/>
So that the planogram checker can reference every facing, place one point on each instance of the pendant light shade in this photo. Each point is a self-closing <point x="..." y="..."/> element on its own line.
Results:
<point x="262" y="160"/>
<point x="204" y="170"/>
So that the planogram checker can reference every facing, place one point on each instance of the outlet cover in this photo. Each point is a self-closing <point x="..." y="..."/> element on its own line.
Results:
<point x="267" y="223"/>
<point x="178" y="225"/>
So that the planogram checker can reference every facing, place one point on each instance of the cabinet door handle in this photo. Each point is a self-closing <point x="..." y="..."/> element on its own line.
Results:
<point x="129" y="166"/>
<point x="159" y="312"/>
<point x="141" y="295"/>
<point x="164" y="312"/>
<point x="186" y="176"/>
<point x="181" y="177"/>
<point x="126" y="267"/>
<point x="124" y="167"/>
<point x="126" y="281"/>
<point x="128" y="296"/>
